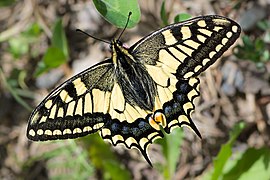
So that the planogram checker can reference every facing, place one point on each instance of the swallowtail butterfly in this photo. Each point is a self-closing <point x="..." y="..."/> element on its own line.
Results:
<point x="130" y="96"/>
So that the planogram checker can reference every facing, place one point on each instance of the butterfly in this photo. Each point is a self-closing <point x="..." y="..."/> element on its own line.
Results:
<point x="130" y="97"/>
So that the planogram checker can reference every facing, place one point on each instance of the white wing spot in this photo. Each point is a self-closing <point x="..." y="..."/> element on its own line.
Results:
<point x="143" y="141"/>
<point x="40" y="132"/>
<point x="229" y="34"/>
<point x="188" y="75"/>
<point x="87" y="129"/>
<point x="117" y="138"/>
<point x="48" y="104"/>
<point x="197" y="68"/>
<point x="98" y="126"/>
<point x="77" y="130"/>
<point x="234" y="28"/>
<point x="150" y="136"/>
<point x="201" y="38"/>
<point x="191" y="94"/>
<point x="224" y="41"/>
<point x="57" y="132"/>
<point x="185" y="32"/>
<point x="105" y="132"/>
<point x="221" y="21"/>
<point x="67" y="131"/>
<point x="217" y="28"/>
<point x="183" y="118"/>
<point x="173" y="122"/>
<point x="130" y="141"/>
<point x="201" y="23"/>
<point x="211" y="54"/>
<point x="205" y="61"/>
<point x="187" y="106"/>
<point x="48" y="132"/>
<point x="32" y="132"/>
<point x="192" y="81"/>
<point x="218" y="47"/>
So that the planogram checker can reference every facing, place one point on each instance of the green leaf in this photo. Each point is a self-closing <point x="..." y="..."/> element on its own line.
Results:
<point x="57" y="53"/>
<point x="226" y="151"/>
<point x="264" y="25"/>
<point x="171" y="149"/>
<point x="53" y="58"/>
<point x="254" y="50"/>
<point x="33" y="31"/>
<point x="234" y="133"/>
<point x="6" y="3"/>
<point x="59" y="39"/>
<point x="182" y="17"/>
<point x="265" y="56"/>
<point x="13" y="91"/>
<point x="104" y="159"/>
<point x="163" y="14"/>
<point x="252" y="164"/>
<point x="41" y="68"/>
<point x="116" y="12"/>
<point x="18" y="46"/>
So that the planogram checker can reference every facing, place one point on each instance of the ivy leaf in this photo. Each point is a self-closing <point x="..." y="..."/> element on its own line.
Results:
<point x="116" y="12"/>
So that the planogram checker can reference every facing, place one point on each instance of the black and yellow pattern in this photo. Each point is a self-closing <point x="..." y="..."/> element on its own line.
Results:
<point x="129" y="96"/>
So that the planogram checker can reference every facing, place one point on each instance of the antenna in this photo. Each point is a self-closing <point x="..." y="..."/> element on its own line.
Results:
<point x="129" y="14"/>
<point x="78" y="30"/>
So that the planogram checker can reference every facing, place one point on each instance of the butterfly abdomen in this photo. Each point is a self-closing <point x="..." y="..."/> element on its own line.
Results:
<point x="137" y="85"/>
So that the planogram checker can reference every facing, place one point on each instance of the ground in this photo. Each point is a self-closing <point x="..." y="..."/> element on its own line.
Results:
<point x="233" y="90"/>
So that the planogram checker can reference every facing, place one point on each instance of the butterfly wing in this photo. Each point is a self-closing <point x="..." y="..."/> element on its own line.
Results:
<point x="76" y="108"/>
<point x="176" y="54"/>
<point x="89" y="102"/>
<point x="93" y="100"/>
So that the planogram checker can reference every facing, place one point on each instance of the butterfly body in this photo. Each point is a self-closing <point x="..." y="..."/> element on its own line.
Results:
<point x="128" y="97"/>
<point x="131" y="75"/>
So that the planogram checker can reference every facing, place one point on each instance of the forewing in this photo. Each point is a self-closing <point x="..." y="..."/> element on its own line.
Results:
<point x="76" y="108"/>
<point x="187" y="48"/>
<point x="175" y="55"/>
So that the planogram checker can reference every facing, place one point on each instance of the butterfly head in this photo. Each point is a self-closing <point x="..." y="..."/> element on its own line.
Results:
<point x="118" y="49"/>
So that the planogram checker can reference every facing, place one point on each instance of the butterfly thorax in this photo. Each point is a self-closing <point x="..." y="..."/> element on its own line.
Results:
<point x="135" y="82"/>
